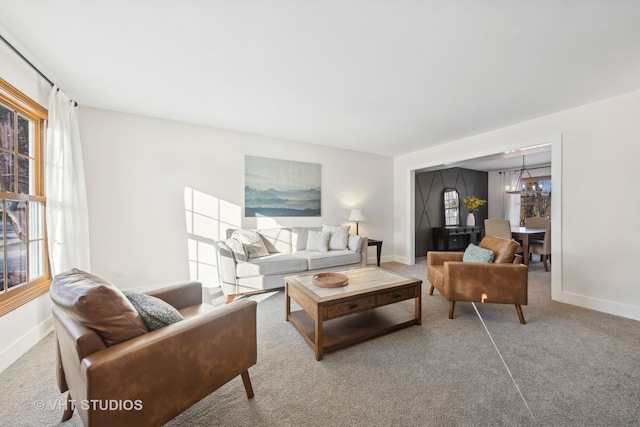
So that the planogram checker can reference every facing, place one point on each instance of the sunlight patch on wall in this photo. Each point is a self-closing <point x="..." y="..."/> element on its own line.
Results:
<point x="207" y="219"/>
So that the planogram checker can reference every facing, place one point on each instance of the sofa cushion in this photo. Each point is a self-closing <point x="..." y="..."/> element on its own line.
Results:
<point x="475" y="253"/>
<point x="98" y="305"/>
<point x="504" y="249"/>
<point x="339" y="236"/>
<point x="271" y="264"/>
<point x="154" y="312"/>
<point x="252" y="241"/>
<point x="328" y="259"/>
<point x="318" y="241"/>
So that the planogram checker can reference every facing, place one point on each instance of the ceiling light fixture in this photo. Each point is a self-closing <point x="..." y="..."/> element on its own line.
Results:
<point x="521" y="186"/>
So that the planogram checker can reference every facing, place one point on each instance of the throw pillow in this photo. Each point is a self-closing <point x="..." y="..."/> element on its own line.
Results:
<point x="155" y="312"/>
<point x="252" y="241"/>
<point x="98" y="305"/>
<point x="355" y="243"/>
<point x="238" y="249"/>
<point x="318" y="241"/>
<point x="339" y="236"/>
<point x="475" y="253"/>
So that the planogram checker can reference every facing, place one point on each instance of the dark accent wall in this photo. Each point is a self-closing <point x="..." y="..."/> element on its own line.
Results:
<point x="430" y="204"/>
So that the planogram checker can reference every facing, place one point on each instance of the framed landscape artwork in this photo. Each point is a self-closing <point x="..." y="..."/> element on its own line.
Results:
<point x="274" y="188"/>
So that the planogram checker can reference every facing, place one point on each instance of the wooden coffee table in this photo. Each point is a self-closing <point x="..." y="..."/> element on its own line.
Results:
<point x="333" y="318"/>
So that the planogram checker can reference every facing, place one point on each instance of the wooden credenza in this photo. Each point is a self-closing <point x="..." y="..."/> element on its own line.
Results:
<point x="455" y="237"/>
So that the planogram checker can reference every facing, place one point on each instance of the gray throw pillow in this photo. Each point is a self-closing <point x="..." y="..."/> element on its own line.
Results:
<point x="155" y="312"/>
<point x="238" y="249"/>
<point x="475" y="253"/>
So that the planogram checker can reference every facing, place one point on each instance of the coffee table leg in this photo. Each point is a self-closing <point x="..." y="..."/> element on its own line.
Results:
<point x="419" y="306"/>
<point x="287" y="302"/>
<point x="319" y="341"/>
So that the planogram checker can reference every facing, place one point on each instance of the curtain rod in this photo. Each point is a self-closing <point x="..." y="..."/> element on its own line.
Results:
<point x="75" y="104"/>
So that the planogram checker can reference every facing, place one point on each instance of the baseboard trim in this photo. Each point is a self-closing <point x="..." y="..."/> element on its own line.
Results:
<point x="24" y="344"/>
<point x="610" y="307"/>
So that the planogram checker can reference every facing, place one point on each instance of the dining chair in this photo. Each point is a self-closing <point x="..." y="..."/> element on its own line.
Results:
<point x="540" y="247"/>
<point x="500" y="227"/>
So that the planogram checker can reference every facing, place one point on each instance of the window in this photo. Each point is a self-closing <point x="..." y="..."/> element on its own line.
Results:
<point x="538" y="200"/>
<point x="24" y="267"/>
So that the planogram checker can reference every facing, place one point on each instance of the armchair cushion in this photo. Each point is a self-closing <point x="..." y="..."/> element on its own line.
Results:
<point x="475" y="253"/>
<point x="155" y="313"/>
<point x="98" y="305"/>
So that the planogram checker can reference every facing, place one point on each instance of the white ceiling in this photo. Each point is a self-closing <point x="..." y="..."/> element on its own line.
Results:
<point x="380" y="76"/>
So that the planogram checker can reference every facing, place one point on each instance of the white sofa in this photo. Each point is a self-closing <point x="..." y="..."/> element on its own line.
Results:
<point x="288" y="255"/>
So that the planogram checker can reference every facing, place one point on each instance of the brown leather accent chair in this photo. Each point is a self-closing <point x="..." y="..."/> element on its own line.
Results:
<point x="118" y="373"/>
<point x="503" y="281"/>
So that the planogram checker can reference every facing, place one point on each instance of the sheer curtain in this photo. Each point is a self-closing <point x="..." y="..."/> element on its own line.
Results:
<point x="510" y="202"/>
<point x="65" y="189"/>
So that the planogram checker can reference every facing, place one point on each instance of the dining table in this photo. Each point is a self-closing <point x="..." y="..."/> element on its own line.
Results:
<point x="526" y="234"/>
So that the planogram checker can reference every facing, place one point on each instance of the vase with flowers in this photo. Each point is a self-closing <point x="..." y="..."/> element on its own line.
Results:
<point x="472" y="203"/>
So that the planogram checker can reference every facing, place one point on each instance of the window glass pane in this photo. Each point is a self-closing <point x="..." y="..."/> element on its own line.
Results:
<point x="7" y="177"/>
<point x="25" y="135"/>
<point x="16" y="264"/>
<point x="36" y="259"/>
<point x="7" y="118"/>
<point x="2" y="222"/>
<point x="2" y="268"/>
<point x="16" y="221"/>
<point x="25" y="179"/>
<point x="36" y="220"/>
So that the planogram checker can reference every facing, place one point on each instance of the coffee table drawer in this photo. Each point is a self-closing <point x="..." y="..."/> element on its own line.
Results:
<point x="354" y="306"/>
<point x="395" y="296"/>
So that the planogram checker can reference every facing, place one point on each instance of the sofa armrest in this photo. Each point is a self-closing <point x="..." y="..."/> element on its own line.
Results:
<point x="502" y="283"/>
<point x="361" y="242"/>
<point x="439" y="258"/>
<point x="180" y="295"/>
<point x="226" y="265"/>
<point x="193" y="357"/>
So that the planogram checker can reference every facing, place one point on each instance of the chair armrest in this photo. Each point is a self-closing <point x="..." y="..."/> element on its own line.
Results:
<point x="180" y="295"/>
<point x="468" y="281"/>
<point x="439" y="258"/>
<point x="193" y="357"/>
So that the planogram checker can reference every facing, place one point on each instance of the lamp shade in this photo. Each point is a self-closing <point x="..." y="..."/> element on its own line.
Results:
<point x="357" y="215"/>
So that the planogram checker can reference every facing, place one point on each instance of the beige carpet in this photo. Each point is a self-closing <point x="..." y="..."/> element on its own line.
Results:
<point x="566" y="367"/>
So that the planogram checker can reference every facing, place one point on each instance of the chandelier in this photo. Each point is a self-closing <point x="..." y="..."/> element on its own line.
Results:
<point x="522" y="187"/>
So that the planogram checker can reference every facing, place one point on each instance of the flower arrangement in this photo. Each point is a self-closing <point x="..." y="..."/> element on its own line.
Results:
<point x="472" y="203"/>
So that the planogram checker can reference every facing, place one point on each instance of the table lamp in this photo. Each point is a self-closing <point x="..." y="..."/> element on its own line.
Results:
<point x="357" y="215"/>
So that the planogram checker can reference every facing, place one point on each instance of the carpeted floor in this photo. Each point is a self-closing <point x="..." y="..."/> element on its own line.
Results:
<point x="567" y="366"/>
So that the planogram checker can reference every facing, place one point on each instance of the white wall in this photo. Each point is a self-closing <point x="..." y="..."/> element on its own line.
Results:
<point x="137" y="170"/>
<point x="598" y="170"/>
<point x="25" y="326"/>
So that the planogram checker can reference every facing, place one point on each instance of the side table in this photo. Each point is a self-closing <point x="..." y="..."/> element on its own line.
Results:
<point x="378" y="245"/>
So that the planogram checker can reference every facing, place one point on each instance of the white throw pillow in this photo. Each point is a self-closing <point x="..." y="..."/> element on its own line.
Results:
<point x="339" y="236"/>
<point x="252" y="242"/>
<point x="318" y="241"/>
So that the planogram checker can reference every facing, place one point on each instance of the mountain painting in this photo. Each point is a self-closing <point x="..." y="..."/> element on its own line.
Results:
<point x="281" y="188"/>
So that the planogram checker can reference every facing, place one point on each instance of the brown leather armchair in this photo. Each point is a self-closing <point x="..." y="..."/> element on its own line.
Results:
<point x="148" y="379"/>
<point x="504" y="281"/>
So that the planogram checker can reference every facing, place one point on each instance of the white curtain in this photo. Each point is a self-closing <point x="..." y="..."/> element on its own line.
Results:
<point x="65" y="189"/>
<point x="510" y="202"/>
